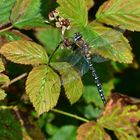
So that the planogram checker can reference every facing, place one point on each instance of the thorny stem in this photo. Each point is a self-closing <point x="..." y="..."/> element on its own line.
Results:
<point x="54" y="52"/>
<point x="14" y="80"/>
<point x="70" y="115"/>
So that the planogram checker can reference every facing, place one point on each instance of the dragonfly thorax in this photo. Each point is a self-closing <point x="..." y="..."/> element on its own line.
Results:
<point x="80" y="43"/>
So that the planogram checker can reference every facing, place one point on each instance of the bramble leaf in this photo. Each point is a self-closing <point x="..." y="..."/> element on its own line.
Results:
<point x="3" y="79"/>
<point x="2" y="94"/>
<point x="122" y="115"/>
<point x="43" y="88"/>
<point x="2" y="68"/>
<point x="24" y="52"/>
<point x="92" y="131"/>
<point x="5" y="11"/>
<point x="74" y="10"/>
<point x="19" y="9"/>
<point x="26" y="14"/>
<point x="71" y="81"/>
<point x="89" y="3"/>
<point x="122" y="13"/>
<point x="107" y="42"/>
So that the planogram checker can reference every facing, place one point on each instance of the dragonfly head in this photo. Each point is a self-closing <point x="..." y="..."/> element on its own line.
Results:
<point x="77" y="36"/>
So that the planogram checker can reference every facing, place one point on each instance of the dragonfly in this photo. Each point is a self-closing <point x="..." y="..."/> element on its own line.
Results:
<point x="80" y="46"/>
<point x="82" y="49"/>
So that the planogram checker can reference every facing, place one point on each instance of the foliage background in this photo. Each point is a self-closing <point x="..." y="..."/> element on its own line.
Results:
<point x="18" y="119"/>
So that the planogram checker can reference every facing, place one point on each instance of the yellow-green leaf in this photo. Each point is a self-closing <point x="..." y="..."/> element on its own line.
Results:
<point x="4" y="79"/>
<point x="89" y="3"/>
<point x="71" y="81"/>
<point x="92" y="131"/>
<point x="2" y="94"/>
<point x="24" y="52"/>
<point x="1" y="66"/>
<point x="107" y="42"/>
<point x="122" y="13"/>
<point x="43" y="88"/>
<point x="74" y="10"/>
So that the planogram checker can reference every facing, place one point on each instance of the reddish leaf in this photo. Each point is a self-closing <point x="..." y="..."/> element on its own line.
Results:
<point x="92" y="131"/>
<point x="122" y="115"/>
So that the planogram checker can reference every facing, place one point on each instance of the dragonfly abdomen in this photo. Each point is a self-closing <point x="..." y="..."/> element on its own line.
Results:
<point x="96" y="78"/>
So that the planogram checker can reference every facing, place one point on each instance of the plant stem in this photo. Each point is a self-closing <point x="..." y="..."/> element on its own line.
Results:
<point x="70" y="115"/>
<point x="54" y="52"/>
<point x="14" y="80"/>
<point x="8" y="107"/>
<point x="5" y="29"/>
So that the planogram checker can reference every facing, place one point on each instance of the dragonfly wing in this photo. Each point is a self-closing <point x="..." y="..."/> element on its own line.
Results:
<point x="77" y="60"/>
<point x="98" y="59"/>
<point x="73" y="58"/>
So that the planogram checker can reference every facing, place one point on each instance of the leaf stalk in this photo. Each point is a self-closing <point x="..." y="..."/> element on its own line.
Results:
<point x="70" y="115"/>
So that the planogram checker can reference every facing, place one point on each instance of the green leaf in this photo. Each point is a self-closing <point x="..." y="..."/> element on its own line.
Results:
<point x="107" y="42"/>
<point x="24" y="52"/>
<point x="5" y="11"/>
<point x="122" y="13"/>
<point x="50" y="37"/>
<point x="2" y="94"/>
<point x="51" y="129"/>
<point x="92" y="131"/>
<point x="71" y="81"/>
<point x="122" y="115"/>
<point x="74" y="10"/>
<point x="4" y="79"/>
<point x="2" y="68"/>
<point x="26" y="14"/>
<point x="10" y="127"/>
<point x="89" y="111"/>
<point x="43" y="88"/>
<point x="65" y="133"/>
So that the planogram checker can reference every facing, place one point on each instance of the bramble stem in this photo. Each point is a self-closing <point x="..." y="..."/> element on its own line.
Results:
<point x="8" y="107"/>
<point x="70" y="115"/>
<point x="6" y="29"/>
<point x="14" y="80"/>
<point x="54" y="51"/>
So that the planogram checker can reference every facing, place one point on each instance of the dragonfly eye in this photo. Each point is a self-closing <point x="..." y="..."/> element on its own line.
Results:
<point x="77" y="36"/>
